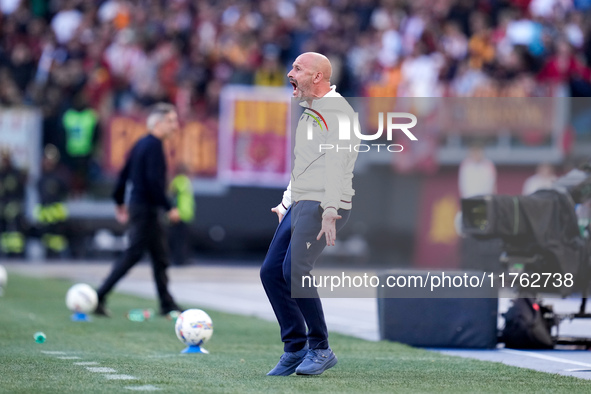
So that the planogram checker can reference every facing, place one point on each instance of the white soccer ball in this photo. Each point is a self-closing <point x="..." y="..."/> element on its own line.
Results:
<point x="81" y="298"/>
<point x="193" y="327"/>
<point x="3" y="276"/>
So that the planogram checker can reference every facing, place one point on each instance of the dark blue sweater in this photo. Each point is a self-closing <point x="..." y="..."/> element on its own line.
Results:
<point x="145" y="168"/>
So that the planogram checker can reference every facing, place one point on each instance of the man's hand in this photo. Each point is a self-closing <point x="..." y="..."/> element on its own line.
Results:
<point x="278" y="212"/>
<point x="174" y="216"/>
<point x="121" y="214"/>
<point x="329" y="218"/>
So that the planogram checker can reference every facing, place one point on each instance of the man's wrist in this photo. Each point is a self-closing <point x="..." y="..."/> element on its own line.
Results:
<point x="281" y="208"/>
<point x="331" y="209"/>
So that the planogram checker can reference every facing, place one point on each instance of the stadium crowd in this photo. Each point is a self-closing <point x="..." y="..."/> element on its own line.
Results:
<point x="119" y="56"/>
<point x="184" y="51"/>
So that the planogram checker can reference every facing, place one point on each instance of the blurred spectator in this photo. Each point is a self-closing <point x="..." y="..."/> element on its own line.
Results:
<point x="117" y="12"/>
<point x="477" y="174"/>
<point x="563" y="68"/>
<point x="146" y="51"/>
<point x="481" y="48"/>
<point x="80" y="125"/>
<point x="454" y="42"/>
<point x="99" y="82"/>
<point x="21" y="65"/>
<point x="468" y="81"/>
<point x="51" y="212"/>
<point x="7" y="7"/>
<point x="270" y="73"/>
<point x="420" y="73"/>
<point x="181" y="191"/>
<point x="543" y="179"/>
<point x="13" y="224"/>
<point x="66" y="21"/>
<point x="10" y="95"/>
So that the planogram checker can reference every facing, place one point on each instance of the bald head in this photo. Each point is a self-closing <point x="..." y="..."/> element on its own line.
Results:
<point x="318" y="63"/>
<point x="310" y="75"/>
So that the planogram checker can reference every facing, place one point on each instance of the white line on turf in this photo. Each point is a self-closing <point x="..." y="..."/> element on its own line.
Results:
<point x="110" y="371"/>
<point x="147" y="387"/>
<point x="120" y="377"/>
<point x="101" y="369"/>
<point x="544" y="357"/>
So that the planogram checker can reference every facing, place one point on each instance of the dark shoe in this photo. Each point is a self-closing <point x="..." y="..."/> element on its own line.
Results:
<point x="101" y="310"/>
<point x="288" y="363"/>
<point x="317" y="361"/>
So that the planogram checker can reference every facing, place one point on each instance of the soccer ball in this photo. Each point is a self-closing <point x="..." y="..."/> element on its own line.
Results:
<point x="81" y="298"/>
<point x="193" y="327"/>
<point x="3" y="276"/>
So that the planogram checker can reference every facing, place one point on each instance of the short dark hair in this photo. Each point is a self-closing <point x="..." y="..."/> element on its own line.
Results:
<point x="157" y="112"/>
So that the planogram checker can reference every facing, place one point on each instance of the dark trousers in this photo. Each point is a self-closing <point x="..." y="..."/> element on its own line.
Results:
<point x="145" y="233"/>
<point x="294" y="250"/>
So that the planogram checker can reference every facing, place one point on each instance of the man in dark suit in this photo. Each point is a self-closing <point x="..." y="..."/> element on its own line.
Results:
<point x="145" y="170"/>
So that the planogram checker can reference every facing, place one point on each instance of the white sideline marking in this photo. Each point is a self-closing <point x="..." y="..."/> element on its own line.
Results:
<point x="51" y="352"/>
<point x="120" y="377"/>
<point x="544" y="357"/>
<point x="147" y="387"/>
<point x="69" y="358"/>
<point x="578" y="370"/>
<point x="101" y="369"/>
<point x="87" y="363"/>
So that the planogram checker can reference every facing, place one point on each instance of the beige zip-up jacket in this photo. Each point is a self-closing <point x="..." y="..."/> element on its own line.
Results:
<point x="321" y="173"/>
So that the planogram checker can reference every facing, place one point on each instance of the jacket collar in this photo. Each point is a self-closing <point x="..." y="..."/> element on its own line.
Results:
<point x="331" y="93"/>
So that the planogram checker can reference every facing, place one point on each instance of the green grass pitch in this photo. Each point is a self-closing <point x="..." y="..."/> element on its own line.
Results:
<point x="243" y="350"/>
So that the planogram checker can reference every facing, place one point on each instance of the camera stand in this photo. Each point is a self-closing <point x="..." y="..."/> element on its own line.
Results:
<point x="569" y="340"/>
<point x="514" y="262"/>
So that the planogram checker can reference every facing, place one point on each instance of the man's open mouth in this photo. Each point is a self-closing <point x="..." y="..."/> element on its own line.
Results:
<point x="294" y="83"/>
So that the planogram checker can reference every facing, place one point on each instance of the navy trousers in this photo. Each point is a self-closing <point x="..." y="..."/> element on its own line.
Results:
<point x="294" y="250"/>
